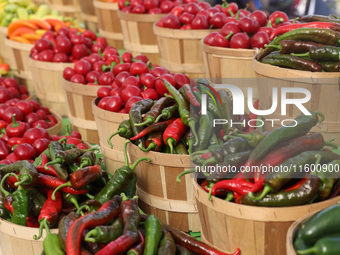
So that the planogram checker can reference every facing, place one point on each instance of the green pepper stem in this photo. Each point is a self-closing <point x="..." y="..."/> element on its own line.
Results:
<point x="62" y="140"/>
<point x="133" y="166"/>
<point x="43" y="224"/>
<point x="67" y="130"/>
<point x="89" y="196"/>
<point x="83" y="164"/>
<point x="89" y="236"/>
<point x="23" y="180"/>
<point x="333" y="145"/>
<point x="269" y="24"/>
<point x="163" y="114"/>
<point x="56" y="161"/>
<point x="231" y="13"/>
<point x="301" y="54"/>
<point x="211" y="185"/>
<point x="318" y="159"/>
<point x="192" y="125"/>
<point x="229" y="197"/>
<point x="228" y="136"/>
<point x="229" y="35"/>
<point x="199" y="153"/>
<point x="125" y="153"/>
<point x="279" y="20"/>
<point x="14" y="121"/>
<point x="80" y="210"/>
<point x="124" y="197"/>
<point x="67" y="184"/>
<point x="211" y="160"/>
<point x="74" y="201"/>
<point x="190" y="145"/>
<point x="184" y="173"/>
<point x="47" y="226"/>
<point x="152" y="146"/>
<point x="148" y="121"/>
<point x="5" y="192"/>
<point x="91" y="149"/>
<point x="322" y="117"/>
<point x="249" y="136"/>
<point x="267" y="189"/>
<point x="312" y="250"/>
<point x="170" y="143"/>
<point x="118" y="132"/>
<point x="279" y="47"/>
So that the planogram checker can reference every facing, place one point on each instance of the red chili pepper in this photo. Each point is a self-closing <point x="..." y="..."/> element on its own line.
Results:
<point x="11" y="180"/>
<point x="51" y="208"/>
<point x="253" y="116"/>
<point x="32" y="222"/>
<point x="158" y="127"/>
<point x="82" y="177"/>
<point x="73" y="140"/>
<point x="239" y="186"/>
<point x="193" y="85"/>
<point x="82" y="146"/>
<point x="108" y="211"/>
<point x="139" y="248"/>
<point x="41" y="169"/>
<point x="285" y="29"/>
<point x="277" y="17"/>
<point x="203" y="186"/>
<point x="173" y="133"/>
<point x="16" y="128"/>
<point x="236" y="195"/>
<point x="51" y="182"/>
<point x="187" y="93"/>
<point x="296" y="185"/>
<point x="8" y="203"/>
<point x="51" y="119"/>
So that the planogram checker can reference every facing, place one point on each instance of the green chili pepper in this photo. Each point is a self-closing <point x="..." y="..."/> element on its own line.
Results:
<point x="124" y="130"/>
<point x="38" y="160"/>
<point x="180" y="250"/>
<point x="329" y="245"/>
<point x="211" y="106"/>
<point x="87" y="159"/>
<point x="214" y="140"/>
<point x="106" y="234"/>
<point x="225" y="109"/>
<point x="3" y="211"/>
<point x="188" y="139"/>
<point x="51" y="242"/>
<point x="180" y="149"/>
<point x="153" y="235"/>
<point x="167" y="245"/>
<point x="36" y="201"/>
<point x="205" y="130"/>
<point x="130" y="191"/>
<point x="255" y="136"/>
<point x="65" y="157"/>
<point x="135" y="114"/>
<point x="168" y="113"/>
<point x="72" y="167"/>
<point x="120" y="179"/>
<point x="28" y="174"/>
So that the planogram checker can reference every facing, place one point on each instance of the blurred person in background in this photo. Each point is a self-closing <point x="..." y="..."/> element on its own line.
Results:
<point x="321" y="7"/>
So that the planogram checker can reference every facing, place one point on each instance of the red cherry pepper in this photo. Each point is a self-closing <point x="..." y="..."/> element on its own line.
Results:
<point x="25" y="151"/>
<point x="33" y="134"/>
<point x="4" y="151"/>
<point x="277" y="17"/>
<point x="75" y="134"/>
<point x="173" y="133"/>
<point x="3" y="125"/>
<point x="15" y="141"/>
<point x="82" y="146"/>
<point x="52" y="120"/>
<point x="16" y="128"/>
<point x="73" y="140"/>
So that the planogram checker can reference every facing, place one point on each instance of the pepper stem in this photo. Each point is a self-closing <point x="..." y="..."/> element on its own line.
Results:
<point x="160" y="116"/>
<point x="89" y="236"/>
<point x="152" y="146"/>
<point x="56" y="161"/>
<point x="312" y="250"/>
<point x="192" y="125"/>
<point x="67" y="184"/>
<point x="301" y="54"/>
<point x="322" y="117"/>
<point x="199" y="153"/>
<point x="231" y="13"/>
<point x="89" y="196"/>
<point x="43" y="224"/>
<point x="279" y="47"/>
<point x="184" y="173"/>
<point x="67" y="130"/>
<point x="148" y="121"/>
<point x="318" y="159"/>
<point x="249" y="136"/>
<point x="269" y="24"/>
<point x="228" y="36"/>
<point x="279" y="20"/>
<point x="125" y="153"/>
<point x="170" y="141"/>
<point x="133" y="166"/>
<point x="80" y="210"/>
<point x="62" y="140"/>
<point x="5" y="192"/>
<point x="23" y="180"/>
<point x="333" y="145"/>
<point x="91" y="149"/>
<point x="211" y="160"/>
<point x="229" y="197"/>
<point x="211" y="185"/>
<point x="74" y="201"/>
<point x="118" y="132"/>
<point x="267" y="189"/>
<point x="124" y="197"/>
<point x="14" y="121"/>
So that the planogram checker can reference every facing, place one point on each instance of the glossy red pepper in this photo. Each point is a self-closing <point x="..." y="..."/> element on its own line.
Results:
<point x="75" y="134"/>
<point x="239" y="186"/>
<point x="4" y="151"/>
<point x="35" y="133"/>
<point x="277" y="17"/>
<point x="51" y="119"/>
<point x="32" y="222"/>
<point x="16" y="128"/>
<point x="41" y="169"/>
<point x="173" y="133"/>
<point x="3" y="125"/>
<point x="25" y="151"/>
<point x="73" y="140"/>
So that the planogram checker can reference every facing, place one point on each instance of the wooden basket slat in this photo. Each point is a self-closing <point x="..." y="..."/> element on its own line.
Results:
<point x="78" y="100"/>
<point x="157" y="187"/>
<point x="88" y="15"/>
<point x="112" y="30"/>
<point x="321" y="86"/>
<point x="180" y="51"/>
<point x="67" y="8"/>
<point x="108" y="123"/>
<point x="18" y="240"/>
<point x="55" y="130"/>
<point x="138" y="34"/>
<point x="229" y="226"/>
<point x="3" y="48"/>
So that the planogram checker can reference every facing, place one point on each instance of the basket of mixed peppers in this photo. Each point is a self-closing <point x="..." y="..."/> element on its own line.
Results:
<point x="310" y="46"/>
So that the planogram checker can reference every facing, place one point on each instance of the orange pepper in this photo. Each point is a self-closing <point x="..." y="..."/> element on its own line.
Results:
<point x="20" y="39"/>
<point x="55" y="23"/>
<point x="20" y="23"/>
<point x="41" y="24"/>
<point x="5" y="67"/>
<point x="33" y="37"/>
<point x="22" y="30"/>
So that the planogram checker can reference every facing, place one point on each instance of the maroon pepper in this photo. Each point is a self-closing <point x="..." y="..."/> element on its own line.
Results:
<point x="16" y="128"/>
<point x="82" y="177"/>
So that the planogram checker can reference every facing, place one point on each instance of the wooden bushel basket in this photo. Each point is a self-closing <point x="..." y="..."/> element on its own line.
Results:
<point x="67" y="8"/>
<point x="18" y="54"/>
<point x="138" y="34"/>
<point x="48" y="84"/>
<point x="4" y="54"/>
<point x="111" y="31"/>
<point x="160" y="194"/>
<point x="181" y="51"/>
<point x="88" y="15"/>
<point x="255" y="230"/>
<point x="324" y="89"/>
<point x="224" y="63"/>
<point x="79" y="99"/>
<point x="55" y="130"/>
<point x="18" y="240"/>
<point x="108" y="123"/>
